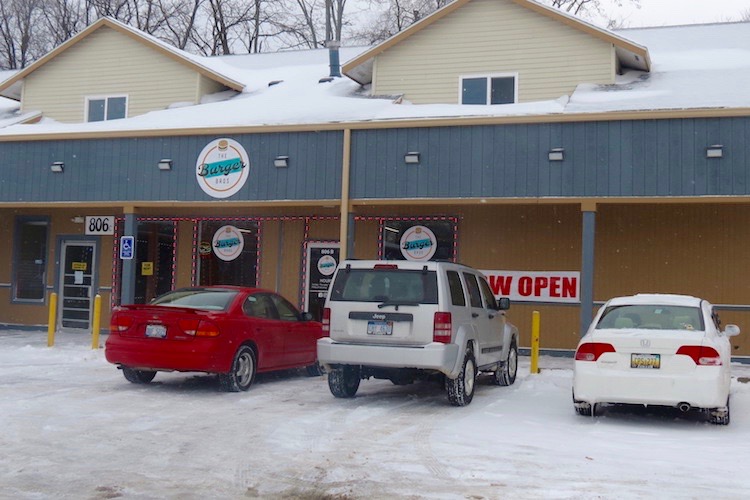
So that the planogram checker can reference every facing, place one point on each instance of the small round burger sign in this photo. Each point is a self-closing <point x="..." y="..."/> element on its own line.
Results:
<point x="222" y="168"/>
<point x="418" y="243"/>
<point x="228" y="243"/>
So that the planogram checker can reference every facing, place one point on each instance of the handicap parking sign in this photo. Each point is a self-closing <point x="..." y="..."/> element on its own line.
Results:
<point x="126" y="247"/>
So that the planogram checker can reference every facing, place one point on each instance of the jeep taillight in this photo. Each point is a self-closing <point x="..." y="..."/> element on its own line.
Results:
<point x="590" y="351"/>
<point x="120" y="322"/>
<point x="442" y="327"/>
<point x="326" y="320"/>
<point x="701" y="355"/>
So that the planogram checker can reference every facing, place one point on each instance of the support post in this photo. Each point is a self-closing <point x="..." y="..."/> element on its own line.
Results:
<point x="127" y="290"/>
<point x="96" y="323"/>
<point x="52" y="320"/>
<point x="587" y="266"/>
<point x="535" y="322"/>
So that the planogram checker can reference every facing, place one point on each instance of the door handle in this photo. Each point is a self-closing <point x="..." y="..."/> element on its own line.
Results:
<point x="474" y="315"/>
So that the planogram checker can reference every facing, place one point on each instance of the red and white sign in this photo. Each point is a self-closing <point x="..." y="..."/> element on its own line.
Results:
<point x="536" y="286"/>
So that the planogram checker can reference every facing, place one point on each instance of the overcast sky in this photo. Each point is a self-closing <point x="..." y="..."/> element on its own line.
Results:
<point x="673" y="12"/>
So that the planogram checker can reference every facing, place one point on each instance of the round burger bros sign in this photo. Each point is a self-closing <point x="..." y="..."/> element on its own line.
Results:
<point x="222" y="168"/>
<point x="418" y="243"/>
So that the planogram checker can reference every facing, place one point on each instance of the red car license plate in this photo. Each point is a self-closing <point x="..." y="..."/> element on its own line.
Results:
<point x="156" y="331"/>
<point x="645" y="361"/>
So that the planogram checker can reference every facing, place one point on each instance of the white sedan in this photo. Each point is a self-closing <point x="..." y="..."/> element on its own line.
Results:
<point x="655" y="349"/>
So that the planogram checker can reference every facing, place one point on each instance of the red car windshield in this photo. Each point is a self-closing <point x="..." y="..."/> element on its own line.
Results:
<point x="213" y="300"/>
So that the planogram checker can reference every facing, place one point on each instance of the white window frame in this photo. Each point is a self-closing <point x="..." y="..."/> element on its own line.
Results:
<point x="106" y="99"/>
<point x="488" y="77"/>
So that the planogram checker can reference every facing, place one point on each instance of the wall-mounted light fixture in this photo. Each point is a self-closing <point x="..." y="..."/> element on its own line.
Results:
<point x="281" y="162"/>
<point x="715" y="151"/>
<point x="165" y="164"/>
<point x="78" y="219"/>
<point x="57" y="167"/>
<point x="556" y="154"/>
<point x="411" y="158"/>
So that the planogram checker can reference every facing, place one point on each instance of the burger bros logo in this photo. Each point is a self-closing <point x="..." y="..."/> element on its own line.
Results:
<point x="222" y="168"/>
<point x="228" y="243"/>
<point x="418" y="243"/>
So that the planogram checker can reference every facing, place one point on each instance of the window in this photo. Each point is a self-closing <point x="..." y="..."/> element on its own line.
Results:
<point x="286" y="311"/>
<point x="489" y="297"/>
<point x="475" y="296"/>
<point x="30" y="259"/>
<point x="457" y="290"/>
<point x="500" y="89"/>
<point x="99" y="109"/>
<point x="394" y="233"/>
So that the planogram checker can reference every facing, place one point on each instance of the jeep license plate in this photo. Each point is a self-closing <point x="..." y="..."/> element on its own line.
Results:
<point x="645" y="361"/>
<point x="380" y="328"/>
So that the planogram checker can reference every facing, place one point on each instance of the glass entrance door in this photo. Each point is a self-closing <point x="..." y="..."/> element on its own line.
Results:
<point x="77" y="271"/>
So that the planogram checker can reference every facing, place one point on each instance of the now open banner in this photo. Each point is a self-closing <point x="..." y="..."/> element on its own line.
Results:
<point x="536" y="286"/>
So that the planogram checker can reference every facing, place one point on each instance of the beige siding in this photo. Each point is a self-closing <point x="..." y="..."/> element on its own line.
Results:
<point x="493" y="36"/>
<point x="108" y="63"/>
<point x="207" y="86"/>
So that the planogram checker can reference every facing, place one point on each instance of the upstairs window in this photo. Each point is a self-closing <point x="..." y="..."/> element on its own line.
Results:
<point x="99" y="109"/>
<point x="497" y="89"/>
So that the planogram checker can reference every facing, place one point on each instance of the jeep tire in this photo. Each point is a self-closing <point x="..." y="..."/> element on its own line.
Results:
<point x="344" y="381"/>
<point x="461" y="389"/>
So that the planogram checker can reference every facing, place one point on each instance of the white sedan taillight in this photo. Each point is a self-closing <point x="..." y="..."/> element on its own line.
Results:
<point x="701" y="355"/>
<point x="590" y="351"/>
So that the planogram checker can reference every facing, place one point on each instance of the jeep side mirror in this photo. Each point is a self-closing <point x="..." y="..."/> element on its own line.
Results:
<point x="503" y="304"/>
<point x="306" y="316"/>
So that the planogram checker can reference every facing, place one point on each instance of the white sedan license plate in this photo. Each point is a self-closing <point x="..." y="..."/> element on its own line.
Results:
<point x="380" y="328"/>
<point x="645" y="361"/>
<point x="156" y="331"/>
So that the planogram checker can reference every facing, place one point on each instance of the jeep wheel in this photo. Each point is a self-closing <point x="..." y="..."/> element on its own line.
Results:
<point x="506" y="374"/>
<point x="461" y="389"/>
<point x="344" y="382"/>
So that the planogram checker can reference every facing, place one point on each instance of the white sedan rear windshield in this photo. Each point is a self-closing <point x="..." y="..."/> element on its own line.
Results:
<point x="213" y="300"/>
<point x="652" y="317"/>
<point x="385" y="285"/>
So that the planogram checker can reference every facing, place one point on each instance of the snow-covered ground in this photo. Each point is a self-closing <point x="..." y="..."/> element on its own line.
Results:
<point x="72" y="427"/>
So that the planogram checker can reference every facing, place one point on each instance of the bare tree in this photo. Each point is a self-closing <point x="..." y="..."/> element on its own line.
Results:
<point x="179" y="21"/>
<point x="22" y="37"/>
<point x="745" y="16"/>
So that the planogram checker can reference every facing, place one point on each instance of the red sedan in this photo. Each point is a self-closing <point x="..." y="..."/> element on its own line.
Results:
<point x="234" y="332"/>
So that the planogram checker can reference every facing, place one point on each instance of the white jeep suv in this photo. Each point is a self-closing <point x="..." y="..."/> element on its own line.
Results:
<point x="404" y="320"/>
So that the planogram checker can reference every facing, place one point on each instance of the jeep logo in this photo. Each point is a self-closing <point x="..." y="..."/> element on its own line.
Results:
<point x="378" y="316"/>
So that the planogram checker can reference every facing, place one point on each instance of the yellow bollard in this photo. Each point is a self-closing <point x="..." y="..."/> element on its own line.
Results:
<point x="52" y="320"/>
<point x="535" y="342"/>
<point x="97" y="321"/>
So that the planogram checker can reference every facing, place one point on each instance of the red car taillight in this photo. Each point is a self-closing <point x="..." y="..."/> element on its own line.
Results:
<point x="326" y="320"/>
<point x="120" y="323"/>
<point x="701" y="355"/>
<point x="590" y="351"/>
<point x="199" y="328"/>
<point x="442" y="327"/>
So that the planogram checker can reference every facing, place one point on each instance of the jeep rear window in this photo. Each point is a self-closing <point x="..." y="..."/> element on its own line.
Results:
<point x="382" y="285"/>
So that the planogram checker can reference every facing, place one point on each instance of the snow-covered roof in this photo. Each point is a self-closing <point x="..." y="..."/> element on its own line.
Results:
<point x="695" y="67"/>
<point x="630" y="54"/>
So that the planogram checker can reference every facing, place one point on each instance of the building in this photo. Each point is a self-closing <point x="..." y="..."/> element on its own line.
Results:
<point x="569" y="162"/>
